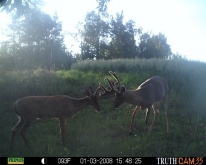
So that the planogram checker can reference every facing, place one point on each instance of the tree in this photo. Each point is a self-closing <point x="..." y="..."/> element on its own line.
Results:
<point x="105" y="38"/>
<point x="102" y="6"/>
<point x="94" y="36"/>
<point x="94" y="33"/>
<point x="36" y="41"/>
<point x="20" y="7"/>
<point x="154" y="46"/>
<point x="123" y="43"/>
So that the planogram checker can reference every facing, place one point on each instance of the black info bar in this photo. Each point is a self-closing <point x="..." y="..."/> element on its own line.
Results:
<point x="104" y="160"/>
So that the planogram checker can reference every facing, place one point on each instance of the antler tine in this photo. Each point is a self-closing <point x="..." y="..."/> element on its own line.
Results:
<point x="105" y="91"/>
<point x="97" y="90"/>
<point x="101" y="86"/>
<point x="111" y="84"/>
<point x="115" y="76"/>
<point x="106" y="78"/>
<point x="110" y="89"/>
<point x="117" y="83"/>
<point x="89" y="91"/>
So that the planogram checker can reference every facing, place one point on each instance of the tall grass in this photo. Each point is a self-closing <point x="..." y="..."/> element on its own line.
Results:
<point x="107" y="133"/>
<point x="142" y="65"/>
<point x="186" y="78"/>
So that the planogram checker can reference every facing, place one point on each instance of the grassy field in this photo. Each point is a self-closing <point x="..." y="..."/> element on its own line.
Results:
<point x="107" y="133"/>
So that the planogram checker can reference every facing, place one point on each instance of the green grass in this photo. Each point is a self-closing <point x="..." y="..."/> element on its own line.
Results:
<point x="107" y="133"/>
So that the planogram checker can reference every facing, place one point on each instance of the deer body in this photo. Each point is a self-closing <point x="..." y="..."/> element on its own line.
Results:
<point x="145" y="96"/>
<point x="49" y="107"/>
<point x="152" y="90"/>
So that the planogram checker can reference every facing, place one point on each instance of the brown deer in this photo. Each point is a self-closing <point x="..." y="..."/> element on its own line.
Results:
<point x="145" y="96"/>
<point x="48" y="107"/>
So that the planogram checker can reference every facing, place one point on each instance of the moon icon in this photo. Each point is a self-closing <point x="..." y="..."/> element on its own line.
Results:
<point x="43" y="161"/>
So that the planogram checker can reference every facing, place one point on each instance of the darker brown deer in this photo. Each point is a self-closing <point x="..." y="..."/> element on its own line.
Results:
<point x="145" y="96"/>
<point x="47" y="107"/>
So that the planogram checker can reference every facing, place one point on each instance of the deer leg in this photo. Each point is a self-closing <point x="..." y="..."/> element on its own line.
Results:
<point x="62" y="130"/>
<point x="165" y="100"/>
<point x="16" y="130"/>
<point x="23" y="132"/>
<point x="156" y="112"/>
<point x="136" y="110"/>
<point x="146" y="118"/>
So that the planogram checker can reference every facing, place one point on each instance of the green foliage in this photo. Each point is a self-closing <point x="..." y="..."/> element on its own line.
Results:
<point x="123" y="44"/>
<point x="35" y="40"/>
<point x="102" y="6"/>
<point x="154" y="46"/>
<point x="107" y="133"/>
<point x="20" y="7"/>
<point x="93" y="36"/>
<point x="105" y="37"/>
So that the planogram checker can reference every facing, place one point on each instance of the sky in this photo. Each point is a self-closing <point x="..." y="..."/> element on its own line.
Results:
<point x="183" y="22"/>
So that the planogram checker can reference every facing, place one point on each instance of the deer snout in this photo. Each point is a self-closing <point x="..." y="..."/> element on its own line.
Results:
<point x="117" y="103"/>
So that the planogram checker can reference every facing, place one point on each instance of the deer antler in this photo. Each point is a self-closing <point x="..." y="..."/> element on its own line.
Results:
<point x="110" y="89"/>
<point x="113" y="86"/>
<point x="97" y="91"/>
<point x="89" y="91"/>
<point x="117" y="83"/>
<point x="106" y="91"/>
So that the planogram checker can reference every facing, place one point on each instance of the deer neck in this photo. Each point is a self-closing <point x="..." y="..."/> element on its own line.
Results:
<point x="81" y="103"/>
<point x="133" y="97"/>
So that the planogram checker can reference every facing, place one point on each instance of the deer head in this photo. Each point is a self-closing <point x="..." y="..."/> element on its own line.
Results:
<point x="93" y="97"/>
<point x="114" y="87"/>
<point x="119" y="97"/>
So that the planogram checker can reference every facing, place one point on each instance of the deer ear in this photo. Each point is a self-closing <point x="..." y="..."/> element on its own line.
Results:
<point x="123" y="89"/>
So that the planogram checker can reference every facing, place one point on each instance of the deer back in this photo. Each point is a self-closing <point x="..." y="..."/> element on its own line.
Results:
<point x="44" y="106"/>
<point x="155" y="88"/>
